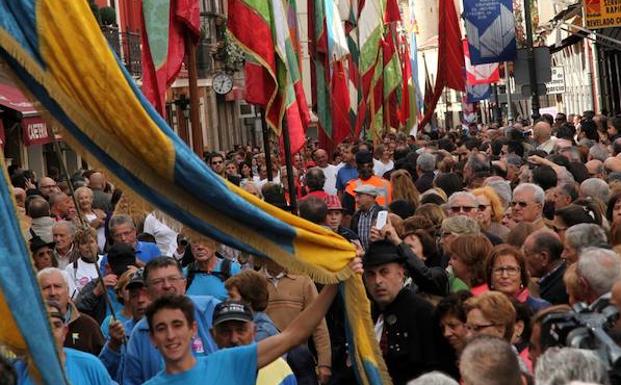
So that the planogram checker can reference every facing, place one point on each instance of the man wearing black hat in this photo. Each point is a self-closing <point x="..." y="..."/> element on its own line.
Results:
<point x="233" y="325"/>
<point x="364" y="163"/>
<point x="42" y="253"/>
<point x="91" y="299"/>
<point x="403" y="322"/>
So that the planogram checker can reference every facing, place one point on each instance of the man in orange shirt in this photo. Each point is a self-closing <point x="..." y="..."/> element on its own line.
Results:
<point x="364" y="162"/>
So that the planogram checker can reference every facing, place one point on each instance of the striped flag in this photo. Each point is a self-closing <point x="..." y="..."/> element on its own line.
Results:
<point x="273" y="76"/>
<point x="330" y="59"/>
<point x="370" y="28"/>
<point x="451" y="67"/>
<point x="146" y="158"/>
<point x="24" y="325"/>
<point x="163" y="44"/>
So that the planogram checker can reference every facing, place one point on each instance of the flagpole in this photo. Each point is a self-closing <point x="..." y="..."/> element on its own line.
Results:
<point x="508" y="88"/>
<point x="266" y="145"/>
<point x="63" y="169"/>
<point x="190" y="62"/>
<point x="292" y="191"/>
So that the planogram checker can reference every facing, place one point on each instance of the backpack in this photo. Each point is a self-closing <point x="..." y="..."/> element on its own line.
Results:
<point x="223" y="274"/>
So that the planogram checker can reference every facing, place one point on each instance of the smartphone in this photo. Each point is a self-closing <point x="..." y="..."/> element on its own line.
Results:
<point x="382" y="217"/>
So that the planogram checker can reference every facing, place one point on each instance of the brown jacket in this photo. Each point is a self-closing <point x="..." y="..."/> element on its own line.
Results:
<point x="84" y="333"/>
<point x="288" y="298"/>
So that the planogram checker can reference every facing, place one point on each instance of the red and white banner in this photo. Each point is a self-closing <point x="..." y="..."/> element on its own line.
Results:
<point x="482" y="73"/>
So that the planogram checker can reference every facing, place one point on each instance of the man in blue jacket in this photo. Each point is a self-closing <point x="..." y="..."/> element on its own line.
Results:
<point x="163" y="277"/>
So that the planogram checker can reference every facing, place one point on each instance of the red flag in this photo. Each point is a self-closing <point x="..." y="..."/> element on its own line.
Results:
<point x="341" y="127"/>
<point x="161" y="62"/>
<point x="451" y="66"/>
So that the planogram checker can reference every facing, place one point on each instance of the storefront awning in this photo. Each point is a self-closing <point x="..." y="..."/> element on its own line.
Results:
<point x="34" y="127"/>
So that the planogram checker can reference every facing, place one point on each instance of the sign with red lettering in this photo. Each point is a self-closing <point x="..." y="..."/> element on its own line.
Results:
<point x="35" y="131"/>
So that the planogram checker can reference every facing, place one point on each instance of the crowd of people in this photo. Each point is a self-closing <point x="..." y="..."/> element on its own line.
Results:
<point x="468" y="239"/>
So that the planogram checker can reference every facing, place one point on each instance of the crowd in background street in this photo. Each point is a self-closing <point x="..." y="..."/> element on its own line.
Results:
<point x="468" y="238"/>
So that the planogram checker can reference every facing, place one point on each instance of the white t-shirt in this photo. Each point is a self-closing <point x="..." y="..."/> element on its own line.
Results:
<point x="165" y="238"/>
<point x="101" y="232"/>
<point x="380" y="168"/>
<point x="330" y="172"/>
<point x="81" y="274"/>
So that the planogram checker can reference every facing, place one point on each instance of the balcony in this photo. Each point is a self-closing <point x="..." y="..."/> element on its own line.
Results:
<point x="126" y="45"/>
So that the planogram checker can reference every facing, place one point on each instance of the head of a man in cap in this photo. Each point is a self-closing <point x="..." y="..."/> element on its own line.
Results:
<point x="364" y="163"/>
<point x="137" y="294"/>
<point x="365" y="196"/>
<point x="42" y="253"/>
<point x="57" y="321"/>
<point x="335" y="212"/>
<point x="233" y="324"/>
<point x="384" y="272"/>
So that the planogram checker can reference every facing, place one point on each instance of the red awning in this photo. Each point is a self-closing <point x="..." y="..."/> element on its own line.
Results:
<point x="34" y="128"/>
<point x="13" y="98"/>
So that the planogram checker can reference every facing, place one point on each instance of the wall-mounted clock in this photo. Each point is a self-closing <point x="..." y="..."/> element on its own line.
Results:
<point x="222" y="83"/>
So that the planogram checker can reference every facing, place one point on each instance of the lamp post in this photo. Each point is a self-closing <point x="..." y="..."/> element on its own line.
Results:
<point x="532" y="70"/>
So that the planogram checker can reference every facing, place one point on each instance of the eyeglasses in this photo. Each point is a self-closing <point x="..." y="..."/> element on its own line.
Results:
<point x="483" y="207"/>
<point x="477" y="328"/>
<point x="217" y="162"/>
<point x="465" y="209"/>
<point x="172" y="280"/>
<point x="510" y="270"/>
<point x="519" y="203"/>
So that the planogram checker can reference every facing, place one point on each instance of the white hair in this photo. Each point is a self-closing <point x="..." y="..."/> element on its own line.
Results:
<point x="503" y="189"/>
<point x="563" y="365"/>
<point x="538" y="194"/>
<point x="433" y="378"/>
<point x="70" y="225"/>
<point x="585" y="235"/>
<point x="601" y="268"/>
<point x="426" y="162"/>
<point x="54" y="270"/>
<point x="596" y="188"/>
<point x="462" y="194"/>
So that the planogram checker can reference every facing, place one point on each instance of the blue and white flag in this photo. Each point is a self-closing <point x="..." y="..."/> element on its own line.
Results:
<point x="490" y="29"/>
<point x="478" y="92"/>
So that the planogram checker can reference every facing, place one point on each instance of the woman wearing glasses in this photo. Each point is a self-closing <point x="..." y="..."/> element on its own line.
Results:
<point x="506" y="272"/>
<point x="492" y="314"/>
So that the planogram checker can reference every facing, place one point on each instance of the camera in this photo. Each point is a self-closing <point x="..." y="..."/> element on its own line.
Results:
<point x="585" y="327"/>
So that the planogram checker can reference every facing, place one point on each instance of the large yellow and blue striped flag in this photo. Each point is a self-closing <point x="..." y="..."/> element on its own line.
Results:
<point x="58" y="53"/>
<point x="24" y="326"/>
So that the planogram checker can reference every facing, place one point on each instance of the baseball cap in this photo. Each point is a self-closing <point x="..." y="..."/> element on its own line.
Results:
<point x="232" y="311"/>
<point x="136" y="280"/>
<point x="366" y="189"/>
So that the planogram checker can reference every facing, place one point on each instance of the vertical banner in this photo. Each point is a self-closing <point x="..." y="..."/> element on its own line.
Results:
<point x="478" y="78"/>
<point x="490" y="29"/>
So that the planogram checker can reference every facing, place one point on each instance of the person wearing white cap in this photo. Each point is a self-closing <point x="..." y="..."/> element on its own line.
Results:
<point x="366" y="214"/>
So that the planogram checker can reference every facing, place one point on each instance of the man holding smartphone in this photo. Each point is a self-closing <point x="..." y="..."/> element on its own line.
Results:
<point x="367" y="212"/>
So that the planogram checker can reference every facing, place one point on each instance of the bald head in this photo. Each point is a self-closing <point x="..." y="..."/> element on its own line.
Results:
<point x="542" y="131"/>
<point x="595" y="167"/>
<point x="47" y="186"/>
<point x="20" y="196"/>
<point x="96" y="181"/>
<point x="321" y="158"/>
<point x="613" y="164"/>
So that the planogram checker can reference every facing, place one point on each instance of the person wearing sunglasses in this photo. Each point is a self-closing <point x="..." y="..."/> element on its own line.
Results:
<point x="466" y="204"/>
<point x="527" y="204"/>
